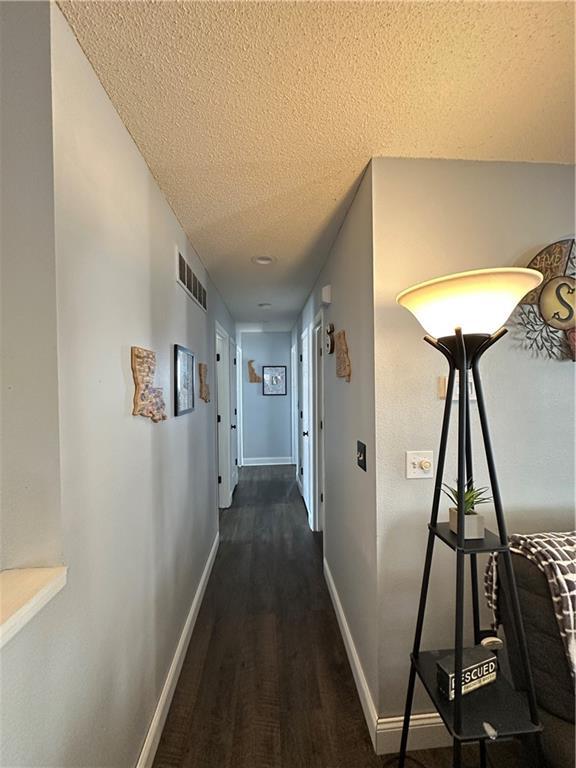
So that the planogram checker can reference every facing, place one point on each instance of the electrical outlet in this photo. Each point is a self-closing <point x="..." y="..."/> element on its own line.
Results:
<point x="419" y="465"/>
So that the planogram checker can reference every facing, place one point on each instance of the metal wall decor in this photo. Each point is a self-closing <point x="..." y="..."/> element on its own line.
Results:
<point x="183" y="380"/>
<point x="545" y="318"/>
<point x="148" y="400"/>
<point x="330" y="338"/>
<point x="274" y="380"/>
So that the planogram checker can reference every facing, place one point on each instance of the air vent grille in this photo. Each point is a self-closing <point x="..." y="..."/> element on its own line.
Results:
<point x="190" y="282"/>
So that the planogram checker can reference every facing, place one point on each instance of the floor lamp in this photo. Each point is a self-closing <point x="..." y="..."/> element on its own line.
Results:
<point x="463" y="315"/>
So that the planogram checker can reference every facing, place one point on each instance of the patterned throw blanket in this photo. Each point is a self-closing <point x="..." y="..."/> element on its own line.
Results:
<point x="555" y="556"/>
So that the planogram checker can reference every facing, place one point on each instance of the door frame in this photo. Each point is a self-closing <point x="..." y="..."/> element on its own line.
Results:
<point x="317" y="386"/>
<point x="222" y="373"/>
<point x="234" y="413"/>
<point x="294" y="405"/>
<point x="307" y="486"/>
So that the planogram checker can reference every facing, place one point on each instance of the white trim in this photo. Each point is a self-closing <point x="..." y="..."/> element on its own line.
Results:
<point x="27" y="591"/>
<point x="267" y="460"/>
<point x="426" y="730"/>
<point x="366" y="700"/>
<point x="155" y="730"/>
<point x="239" y="398"/>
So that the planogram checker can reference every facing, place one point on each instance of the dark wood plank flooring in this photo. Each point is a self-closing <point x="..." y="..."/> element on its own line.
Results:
<point x="266" y="682"/>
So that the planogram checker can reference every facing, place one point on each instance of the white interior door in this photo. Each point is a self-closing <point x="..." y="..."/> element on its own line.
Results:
<point x="305" y="428"/>
<point x="318" y="428"/>
<point x="233" y="368"/>
<point x="223" y="418"/>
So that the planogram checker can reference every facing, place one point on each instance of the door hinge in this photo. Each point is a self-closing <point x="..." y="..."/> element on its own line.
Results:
<point x="301" y="360"/>
<point x="235" y="412"/>
<point x="236" y="462"/>
<point x="234" y="361"/>
<point x="321" y="498"/>
<point x="219" y="418"/>
<point x="321" y="424"/>
<point x="217" y="357"/>
<point x="301" y="470"/>
<point x="320" y="351"/>
<point x="219" y="479"/>
<point x="301" y="415"/>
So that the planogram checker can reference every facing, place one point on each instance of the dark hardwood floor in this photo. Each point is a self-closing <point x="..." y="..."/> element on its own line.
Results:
<point x="266" y="682"/>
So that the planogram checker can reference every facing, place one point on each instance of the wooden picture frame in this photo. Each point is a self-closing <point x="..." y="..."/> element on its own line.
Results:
<point x="274" y="380"/>
<point x="184" y="380"/>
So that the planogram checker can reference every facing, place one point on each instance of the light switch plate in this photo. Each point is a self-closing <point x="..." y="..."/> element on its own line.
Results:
<point x="443" y="383"/>
<point x="361" y="455"/>
<point x="419" y="465"/>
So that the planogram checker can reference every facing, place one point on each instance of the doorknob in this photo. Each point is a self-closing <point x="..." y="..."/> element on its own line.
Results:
<point x="304" y="434"/>
<point x="232" y="426"/>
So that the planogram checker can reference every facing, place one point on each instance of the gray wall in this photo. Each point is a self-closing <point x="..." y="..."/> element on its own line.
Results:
<point x="139" y="512"/>
<point x="29" y="448"/>
<point x="266" y="420"/>
<point x="433" y="217"/>
<point x="350" y="508"/>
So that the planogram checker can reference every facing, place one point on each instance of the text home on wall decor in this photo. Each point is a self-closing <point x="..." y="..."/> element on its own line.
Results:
<point x="545" y="319"/>
<point x="148" y="399"/>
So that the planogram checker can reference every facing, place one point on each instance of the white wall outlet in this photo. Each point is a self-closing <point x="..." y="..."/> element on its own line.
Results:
<point x="419" y="465"/>
<point x="443" y="383"/>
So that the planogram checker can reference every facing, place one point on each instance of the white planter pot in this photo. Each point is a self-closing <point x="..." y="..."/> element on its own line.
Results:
<point x="473" y="524"/>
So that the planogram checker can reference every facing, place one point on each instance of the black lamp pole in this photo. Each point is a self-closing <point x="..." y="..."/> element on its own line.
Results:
<point x="463" y="353"/>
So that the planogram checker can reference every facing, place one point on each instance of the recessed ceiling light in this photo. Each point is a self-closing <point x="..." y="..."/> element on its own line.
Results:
<point x="263" y="261"/>
<point x="264" y="305"/>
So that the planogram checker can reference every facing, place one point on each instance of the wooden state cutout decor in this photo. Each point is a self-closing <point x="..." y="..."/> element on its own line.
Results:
<point x="203" y="376"/>
<point x="253" y="377"/>
<point x="343" y="367"/>
<point x="148" y="400"/>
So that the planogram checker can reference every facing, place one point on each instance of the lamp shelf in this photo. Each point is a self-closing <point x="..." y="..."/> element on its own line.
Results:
<point x="497" y="703"/>
<point x="490" y="542"/>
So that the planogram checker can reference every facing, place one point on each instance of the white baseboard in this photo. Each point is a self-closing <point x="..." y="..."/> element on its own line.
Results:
<point x="366" y="700"/>
<point x="267" y="461"/>
<point x="426" y="731"/>
<point x="155" y="730"/>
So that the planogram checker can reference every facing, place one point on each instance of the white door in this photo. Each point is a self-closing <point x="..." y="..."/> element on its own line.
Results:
<point x="318" y="429"/>
<point x="233" y="417"/>
<point x="223" y="418"/>
<point x="305" y="428"/>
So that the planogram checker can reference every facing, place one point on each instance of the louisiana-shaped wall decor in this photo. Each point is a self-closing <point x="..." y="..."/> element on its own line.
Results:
<point x="546" y="315"/>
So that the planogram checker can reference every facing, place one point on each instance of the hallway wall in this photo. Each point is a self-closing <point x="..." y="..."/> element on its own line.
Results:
<point x="139" y="508"/>
<point x="266" y="420"/>
<point x="433" y="217"/>
<point x="350" y="493"/>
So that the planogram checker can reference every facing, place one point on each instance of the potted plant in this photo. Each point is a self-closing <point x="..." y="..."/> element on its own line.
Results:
<point x="473" y="522"/>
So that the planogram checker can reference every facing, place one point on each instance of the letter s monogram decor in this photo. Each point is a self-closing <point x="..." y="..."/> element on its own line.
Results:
<point x="545" y="318"/>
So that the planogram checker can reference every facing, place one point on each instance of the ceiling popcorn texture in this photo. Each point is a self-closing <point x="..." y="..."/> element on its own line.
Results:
<point x="258" y="118"/>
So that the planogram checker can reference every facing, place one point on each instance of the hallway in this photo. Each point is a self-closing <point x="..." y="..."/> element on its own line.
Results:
<point x="266" y="681"/>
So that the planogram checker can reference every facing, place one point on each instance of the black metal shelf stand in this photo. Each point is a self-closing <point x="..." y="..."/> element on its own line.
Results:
<point x="509" y="712"/>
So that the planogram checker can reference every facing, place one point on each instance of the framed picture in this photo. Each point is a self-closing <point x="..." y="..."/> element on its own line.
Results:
<point x="273" y="379"/>
<point x="183" y="380"/>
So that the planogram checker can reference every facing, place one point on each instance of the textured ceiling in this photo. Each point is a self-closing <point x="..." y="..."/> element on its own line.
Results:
<point x="257" y="119"/>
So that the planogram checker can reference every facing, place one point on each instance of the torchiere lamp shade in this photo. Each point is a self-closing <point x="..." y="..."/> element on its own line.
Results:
<point x="479" y="301"/>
